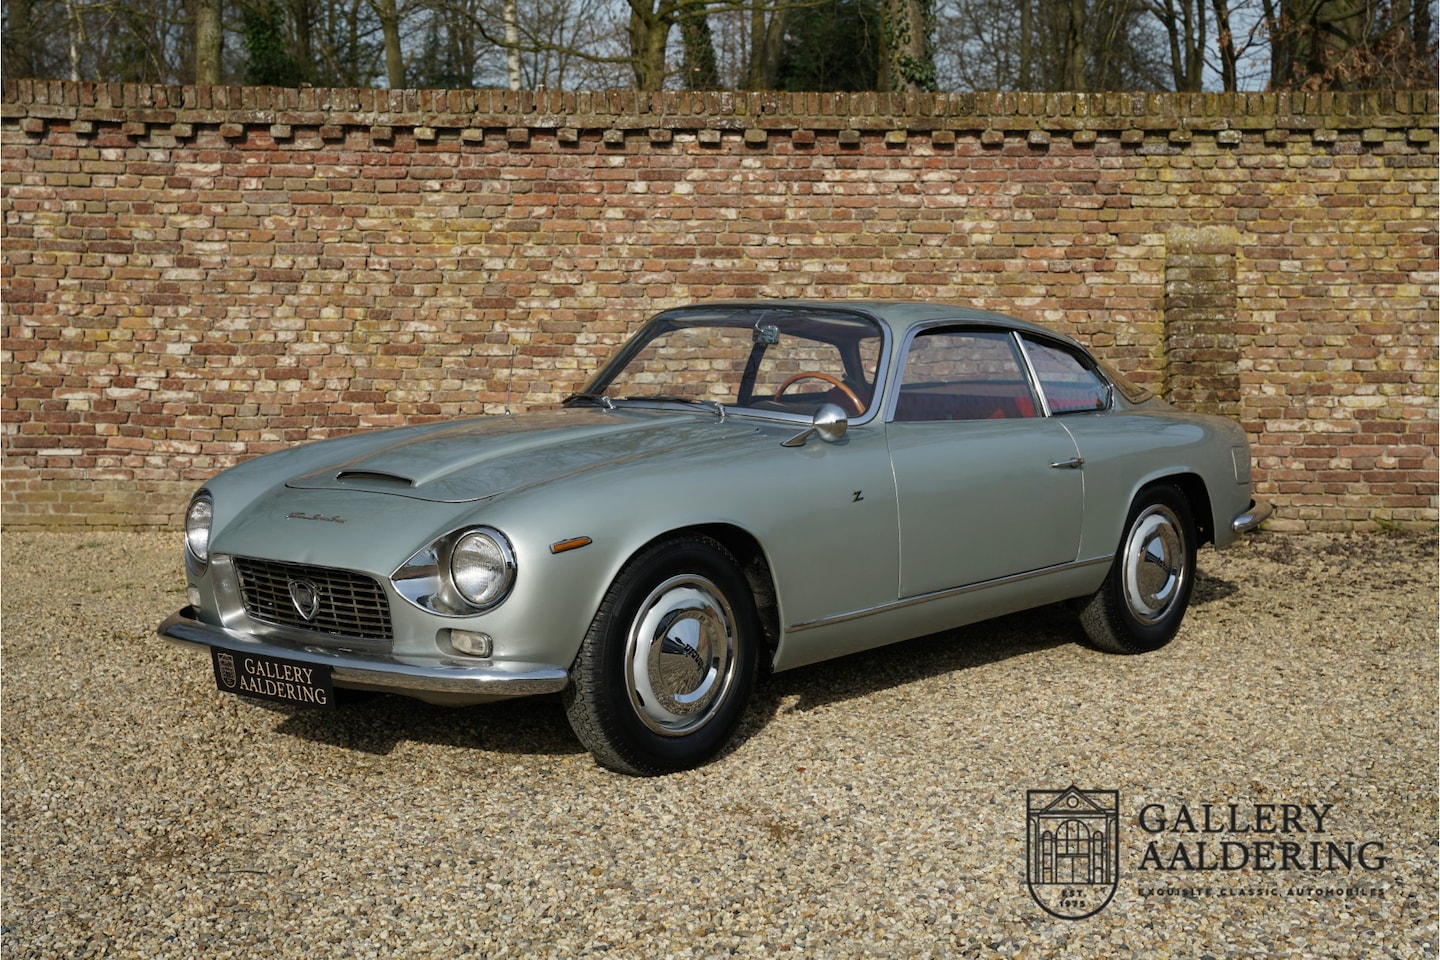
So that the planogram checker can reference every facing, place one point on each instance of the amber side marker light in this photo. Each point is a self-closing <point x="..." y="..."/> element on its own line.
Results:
<point x="573" y="544"/>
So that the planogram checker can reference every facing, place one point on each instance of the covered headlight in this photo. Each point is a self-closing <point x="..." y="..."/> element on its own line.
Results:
<point x="198" y="519"/>
<point x="482" y="567"/>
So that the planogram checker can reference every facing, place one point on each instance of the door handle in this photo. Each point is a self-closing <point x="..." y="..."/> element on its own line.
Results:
<point x="1074" y="463"/>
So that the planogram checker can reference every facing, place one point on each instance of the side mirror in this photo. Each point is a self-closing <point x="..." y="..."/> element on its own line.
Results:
<point x="830" y="422"/>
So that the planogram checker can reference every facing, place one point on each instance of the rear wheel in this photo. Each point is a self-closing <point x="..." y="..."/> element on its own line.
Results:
<point x="666" y="668"/>
<point x="1144" y="597"/>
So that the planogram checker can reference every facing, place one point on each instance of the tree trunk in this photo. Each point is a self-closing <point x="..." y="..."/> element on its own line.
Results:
<point x="1073" y="68"/>
<point x="1027" y="44"/>
<point x="649" y="32"/>
<point x="512" y="44"/>
<point x="767" y="41"/>
<point x="1280" y="44"/>
<point x="1171" y="22"/>
<point x="390" y="28"/>
<point x="907" y="60"/>
<point x="304" y="20"/>
<point x="1197" y="29"/>
<point x="19" y="42"/>
<point x="1225" y="39"/>
<point x="208" y="41"/>
<point x="1422" y="30"/>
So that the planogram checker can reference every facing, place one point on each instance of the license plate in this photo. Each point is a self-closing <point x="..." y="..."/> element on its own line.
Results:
<point x="272" y="678"/>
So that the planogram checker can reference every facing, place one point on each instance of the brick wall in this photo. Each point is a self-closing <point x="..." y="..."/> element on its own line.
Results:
<point x="193" y="276"/>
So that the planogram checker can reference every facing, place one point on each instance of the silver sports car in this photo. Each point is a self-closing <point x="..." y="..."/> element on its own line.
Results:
<point x="744" y="486"/>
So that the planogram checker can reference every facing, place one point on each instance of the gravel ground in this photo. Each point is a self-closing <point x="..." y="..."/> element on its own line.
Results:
<point x="873" y="806"/>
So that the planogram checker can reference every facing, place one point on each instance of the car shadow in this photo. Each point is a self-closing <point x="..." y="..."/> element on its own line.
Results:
<point x="965" y="648"/>
<point x="376" y="723"/>
<point x="1210" y="589"/>
<point x="860" y="675"/>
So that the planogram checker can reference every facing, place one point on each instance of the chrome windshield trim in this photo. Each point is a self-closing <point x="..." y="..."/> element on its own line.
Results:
<point x="732" y="412"/>
<point x="944" y="594"/>
<point x="768" y="312"/>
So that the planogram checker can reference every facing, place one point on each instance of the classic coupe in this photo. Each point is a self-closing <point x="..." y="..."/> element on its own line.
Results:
<point x="744" y="487"/>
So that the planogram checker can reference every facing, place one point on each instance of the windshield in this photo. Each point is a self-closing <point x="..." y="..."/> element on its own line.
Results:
<point x="788" y="360"/>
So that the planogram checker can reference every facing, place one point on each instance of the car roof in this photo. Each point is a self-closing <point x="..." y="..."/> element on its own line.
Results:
<point x="898" y="315"/>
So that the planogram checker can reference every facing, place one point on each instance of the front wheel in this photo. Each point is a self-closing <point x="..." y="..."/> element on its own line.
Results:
<point x="666" y="668"/>
<point x="1143" y="599"/>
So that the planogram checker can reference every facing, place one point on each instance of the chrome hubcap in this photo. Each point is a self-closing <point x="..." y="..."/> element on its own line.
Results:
<point x="680" y="655"/>
<point x="1155" y="564"/>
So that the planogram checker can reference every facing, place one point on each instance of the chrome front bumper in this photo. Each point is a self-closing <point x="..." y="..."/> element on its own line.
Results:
<point x="452" y="681"/>
<point x="1258" y="512"/>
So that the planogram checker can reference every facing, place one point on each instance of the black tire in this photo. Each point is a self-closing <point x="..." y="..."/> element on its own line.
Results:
<point x="1143" y="599"/>
<point x="667" y="666"/>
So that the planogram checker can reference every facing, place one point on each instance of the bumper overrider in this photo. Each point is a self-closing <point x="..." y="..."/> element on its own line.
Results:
<point x="1257" y="513"/>
<point x="438" y="680"/>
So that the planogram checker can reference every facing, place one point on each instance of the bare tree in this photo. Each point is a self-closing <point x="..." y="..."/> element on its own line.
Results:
<point x="100" y="40"/>
<point x="1185" y="25"/>
<point x="1226" y="46"/>
<point x="700" y="69"/>
<point x="348" y="42"/>
<point x="748" y="44"/>
<point x="1351" y="44"/>
<point x="523" y="43"/>
<point x="1072" y="45"/>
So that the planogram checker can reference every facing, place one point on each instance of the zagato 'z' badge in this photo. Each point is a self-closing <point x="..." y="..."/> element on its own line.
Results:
<point x="1072" y="849"/>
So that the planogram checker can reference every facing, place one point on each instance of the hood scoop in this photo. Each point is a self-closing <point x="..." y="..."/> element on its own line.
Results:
<point x="372" y="477"/>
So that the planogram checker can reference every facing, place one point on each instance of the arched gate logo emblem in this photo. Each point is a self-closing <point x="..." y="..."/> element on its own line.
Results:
<point x="225" y="664"/>
<point x="1072" y="850"/>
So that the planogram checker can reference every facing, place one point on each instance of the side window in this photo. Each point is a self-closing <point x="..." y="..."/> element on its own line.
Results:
<point x="963" y="375"/>
<point x="1069" y="384"/>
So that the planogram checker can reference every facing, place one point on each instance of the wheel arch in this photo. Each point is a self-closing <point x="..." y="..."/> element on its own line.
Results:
<point x="747" y="551"/>
<point x="1197" y="495"/>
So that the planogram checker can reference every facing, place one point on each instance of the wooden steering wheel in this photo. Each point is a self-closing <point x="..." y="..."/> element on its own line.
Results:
<point x="850" y="394"/>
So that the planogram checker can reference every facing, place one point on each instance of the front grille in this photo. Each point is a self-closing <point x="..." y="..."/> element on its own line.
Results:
<point x="345" y="604"/>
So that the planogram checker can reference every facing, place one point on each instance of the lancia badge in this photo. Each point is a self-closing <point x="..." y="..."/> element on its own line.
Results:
<point x="305" y="594"/>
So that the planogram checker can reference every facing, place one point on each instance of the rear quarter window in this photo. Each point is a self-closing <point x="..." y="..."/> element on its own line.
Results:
<point x="1069" y="382"/>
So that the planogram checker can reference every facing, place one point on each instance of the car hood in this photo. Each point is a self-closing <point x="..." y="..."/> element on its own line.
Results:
<point x="483" y="458"/>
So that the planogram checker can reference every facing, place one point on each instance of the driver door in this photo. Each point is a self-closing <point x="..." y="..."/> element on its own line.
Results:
<point x="987" y="486"/>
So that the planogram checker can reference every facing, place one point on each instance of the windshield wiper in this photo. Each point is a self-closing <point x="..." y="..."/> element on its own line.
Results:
<point x="715" y="405"/>
<point x="599" y="399"/>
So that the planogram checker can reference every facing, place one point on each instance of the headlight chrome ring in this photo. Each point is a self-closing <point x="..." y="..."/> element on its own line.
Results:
<point x="199" y="517"/>
<point x="482" y="567"/>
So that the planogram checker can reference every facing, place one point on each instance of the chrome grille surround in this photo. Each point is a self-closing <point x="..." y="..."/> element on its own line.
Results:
<point x="349" y="606"/>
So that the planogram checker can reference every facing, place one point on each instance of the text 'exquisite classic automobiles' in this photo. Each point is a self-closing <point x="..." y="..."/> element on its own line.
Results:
<point x="744" y="486"/>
